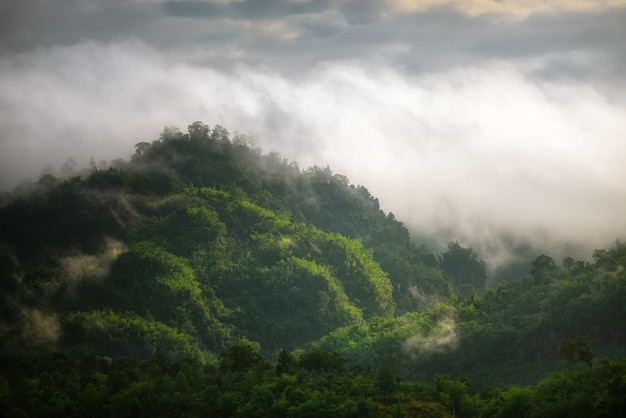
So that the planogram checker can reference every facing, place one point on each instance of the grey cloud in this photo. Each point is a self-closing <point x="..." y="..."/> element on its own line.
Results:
<point x="229" y="34"/>
<point x="321" y="26"/>
<point x="27" y="24"/>
<point x="441" y="38"/>
<point x="247" y="9"/>
<point x="362" y="12"/>
<point x="546" y="33"/>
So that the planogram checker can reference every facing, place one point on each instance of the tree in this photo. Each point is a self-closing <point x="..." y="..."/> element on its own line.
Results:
<point x="141" y="148"/>
<point x="451" y="393"/>
<point x="285" y="362"/>
<point x="198" y="130"/>
<point x="573" y="350"/>
<point x="387" y="378"/>
<point x="241" y="358"/>
<point x="585" y="353"/>
<point x="543" y="268"/>
<point x="567" y="351"/>
<point x="170" y="133"/>
<point x="69" y="167"/>
<point x="568" y="263"/>
<point x="465" y="267"/>
<point x="320" y="361"/>
<point x="220" y="134"/>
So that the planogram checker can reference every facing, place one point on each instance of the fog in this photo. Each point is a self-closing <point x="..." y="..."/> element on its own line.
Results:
<point x="442" y="337"/>
<point x="487" y="154"/>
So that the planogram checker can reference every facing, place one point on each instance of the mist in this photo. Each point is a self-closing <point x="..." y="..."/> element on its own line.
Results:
<point x="78" y="267"/>
<point x="442" y="337"/>
<point x="488" y="154"/>
<point x="40" y="328"/>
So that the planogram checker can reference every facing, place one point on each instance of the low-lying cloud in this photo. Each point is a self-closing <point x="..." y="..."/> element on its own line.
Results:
<point x="478" y="153"/>
<point x="442" y="337"/>
<point x="78" y="267"/>
<point x="40" y="328"/>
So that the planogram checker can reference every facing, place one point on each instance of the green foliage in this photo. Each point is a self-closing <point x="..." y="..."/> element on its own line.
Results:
<point x="242" y="358"/>
<point x="215" y="240"/>
<point x="200" y="247"/>
<point x="126" y="335"/>
<point x="543" y="268"/>
<point x="245" y="385"/>
<point x="455" y="395"/>
<point x="387" y="378"/>
<point x="577" y="349"/>
<point x="368" y="344"/>
<point x="505" y="335"/>
<point x="465" y="267"/>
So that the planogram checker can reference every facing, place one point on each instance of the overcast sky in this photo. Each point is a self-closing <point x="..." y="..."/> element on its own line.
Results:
<point x="498" y="123"/>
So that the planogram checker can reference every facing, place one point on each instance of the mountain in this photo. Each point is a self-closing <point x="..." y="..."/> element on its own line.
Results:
<point x="198" y="242"/>
<point x="202" y="249"/>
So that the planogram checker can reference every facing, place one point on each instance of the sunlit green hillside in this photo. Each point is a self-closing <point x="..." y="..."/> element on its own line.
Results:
<point x="201" y="252"/>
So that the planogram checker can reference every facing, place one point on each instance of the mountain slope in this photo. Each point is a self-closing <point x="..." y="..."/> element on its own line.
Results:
<point x="199" y="242"/>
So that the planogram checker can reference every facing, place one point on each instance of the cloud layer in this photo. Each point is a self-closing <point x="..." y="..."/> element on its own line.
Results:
<point x="474" y="153"/>
<point x="500" y="124"/>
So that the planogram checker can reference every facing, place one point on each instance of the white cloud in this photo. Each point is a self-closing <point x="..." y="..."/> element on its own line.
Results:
<point x="472" y="151"/>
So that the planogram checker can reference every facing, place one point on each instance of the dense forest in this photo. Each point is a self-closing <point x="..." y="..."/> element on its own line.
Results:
<point x="204" y="278"/>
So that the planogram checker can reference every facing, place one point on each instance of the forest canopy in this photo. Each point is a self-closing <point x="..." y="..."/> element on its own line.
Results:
<point x="202" y="262"/>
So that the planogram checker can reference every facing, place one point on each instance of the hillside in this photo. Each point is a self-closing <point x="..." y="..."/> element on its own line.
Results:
<point x="200" y="244"/>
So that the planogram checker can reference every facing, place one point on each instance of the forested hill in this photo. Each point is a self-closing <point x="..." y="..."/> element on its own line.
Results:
<point x="201" y="248"/>
<point x="198" y="242"/>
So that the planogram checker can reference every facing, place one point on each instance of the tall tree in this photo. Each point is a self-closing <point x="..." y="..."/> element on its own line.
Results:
<point x="387" y="378"/>
<point x="465" y="267"/>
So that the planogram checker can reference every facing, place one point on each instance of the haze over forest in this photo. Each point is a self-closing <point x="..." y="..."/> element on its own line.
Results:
<point x="202" y="277"/>
<point x="500" y="124"/>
